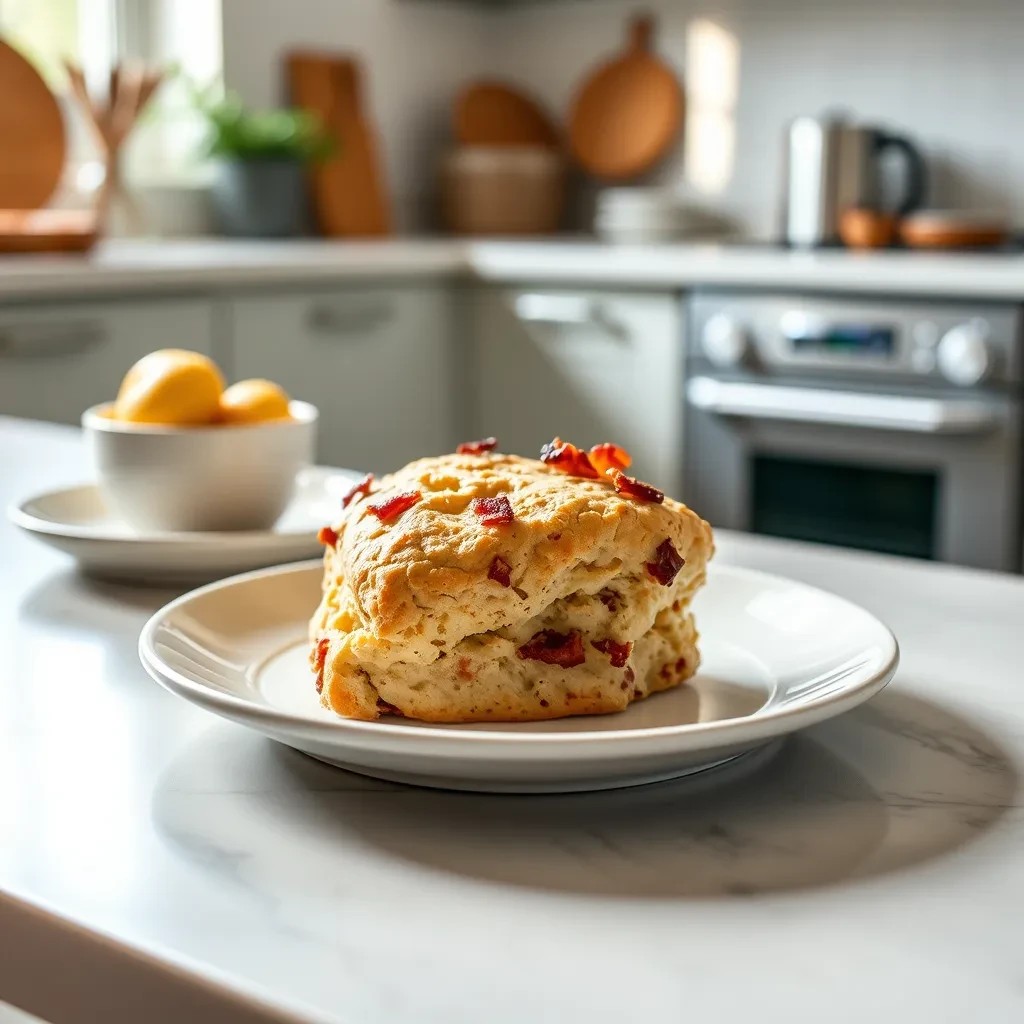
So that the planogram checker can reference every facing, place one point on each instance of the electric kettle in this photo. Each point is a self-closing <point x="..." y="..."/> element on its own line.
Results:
<point x="833" y="165"/>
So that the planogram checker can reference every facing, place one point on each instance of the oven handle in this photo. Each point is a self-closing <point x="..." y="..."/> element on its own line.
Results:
<point x="841" y="408"/>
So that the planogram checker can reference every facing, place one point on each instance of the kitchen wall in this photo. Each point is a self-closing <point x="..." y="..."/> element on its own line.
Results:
<point x="415" y="55"/>
<point x="946" y="72"/>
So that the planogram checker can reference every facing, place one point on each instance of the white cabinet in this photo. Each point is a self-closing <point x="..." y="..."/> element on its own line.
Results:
<point x="60" y="358"/>
<point x="587" y="366"/>
<point x="375" y="359"/>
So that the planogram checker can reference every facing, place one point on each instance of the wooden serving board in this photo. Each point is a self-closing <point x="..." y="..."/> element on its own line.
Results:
<point x="347" y="188"/>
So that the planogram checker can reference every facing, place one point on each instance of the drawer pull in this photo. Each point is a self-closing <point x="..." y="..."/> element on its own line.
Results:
<point x="567" y="311"/>
<point x="353" y="320"/>
<point x="47" y="341"/>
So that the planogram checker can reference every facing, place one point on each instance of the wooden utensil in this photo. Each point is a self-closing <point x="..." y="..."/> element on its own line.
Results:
<point x="32" y="140"/>
<point x="347" y="187"/>
<point x="47" y="231"/>
<point x="492" y="113"/>
<point x="626" y="116"/>
<point x="953" y="229"/>
<point x="112" y="118"/>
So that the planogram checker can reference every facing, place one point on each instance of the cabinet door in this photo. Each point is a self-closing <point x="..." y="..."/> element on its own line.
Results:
<point x="375" y="361"/>
<point x="59" y="359"/>
<point x="586" y="366"/>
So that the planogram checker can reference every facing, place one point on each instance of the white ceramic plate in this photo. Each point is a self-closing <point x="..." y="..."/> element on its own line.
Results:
<point x="76" y="520"/>
<point x="777" y="656"/>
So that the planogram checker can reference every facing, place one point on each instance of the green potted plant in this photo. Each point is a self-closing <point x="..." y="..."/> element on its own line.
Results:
<point x="259" y="188"/>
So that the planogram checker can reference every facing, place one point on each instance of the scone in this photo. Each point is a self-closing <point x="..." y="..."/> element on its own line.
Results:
<point x="488" y="587"/>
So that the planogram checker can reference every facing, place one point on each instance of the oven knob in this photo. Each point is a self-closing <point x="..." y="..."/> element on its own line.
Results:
<point x="964" y="353"/>
<point x="725" y="342"/>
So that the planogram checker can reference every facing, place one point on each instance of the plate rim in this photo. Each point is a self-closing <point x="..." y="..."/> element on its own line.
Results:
<point x="195" y="692"/>
<point x="21" y="517"/>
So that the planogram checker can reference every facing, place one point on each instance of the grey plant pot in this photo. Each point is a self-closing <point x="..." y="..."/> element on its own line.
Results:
<point x="261" y="198"/>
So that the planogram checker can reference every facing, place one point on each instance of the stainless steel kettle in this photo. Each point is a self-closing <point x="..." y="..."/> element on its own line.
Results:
<point x="832" y="165"/>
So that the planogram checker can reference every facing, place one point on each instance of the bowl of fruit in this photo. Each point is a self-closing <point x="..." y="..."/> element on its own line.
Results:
<point x="178" y="450"/>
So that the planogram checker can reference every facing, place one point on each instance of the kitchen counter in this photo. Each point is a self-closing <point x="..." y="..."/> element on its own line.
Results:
<point x="209" y="265"/>
<point x="159" y="864"/>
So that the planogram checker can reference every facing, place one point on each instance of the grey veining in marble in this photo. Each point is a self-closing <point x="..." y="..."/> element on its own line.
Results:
<point x="871" y="868"/>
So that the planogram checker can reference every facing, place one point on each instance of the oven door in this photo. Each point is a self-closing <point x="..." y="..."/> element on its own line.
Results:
<point x="932" y="477"/>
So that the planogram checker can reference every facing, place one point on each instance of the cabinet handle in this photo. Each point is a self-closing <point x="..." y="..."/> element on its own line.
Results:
<point x="45" y="341"/>
<point x="568" y="311"/>
<point x="344" y="320"/>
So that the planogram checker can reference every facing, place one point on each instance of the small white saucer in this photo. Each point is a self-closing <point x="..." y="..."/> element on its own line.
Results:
<point x="76" y="520"/>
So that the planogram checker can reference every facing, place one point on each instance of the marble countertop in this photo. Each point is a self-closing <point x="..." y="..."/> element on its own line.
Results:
<point x="159" y="864"/>
<point x="207" y="265"/>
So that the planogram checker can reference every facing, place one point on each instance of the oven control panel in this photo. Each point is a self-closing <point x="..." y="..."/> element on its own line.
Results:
<point x="950" y="343"/>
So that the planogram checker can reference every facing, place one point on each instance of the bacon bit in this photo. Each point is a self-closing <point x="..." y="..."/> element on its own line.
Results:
<point x="667" y="563"/>
<point x="464" y="669"/>
<point x="320" y="662"/>
<point x="493" y="511"/>
<point x="393" y="507"/>
<point x="618" y="654"/>
<point x="568" y="458"/>
<point x="327" y="536"/>
<point x="488" y="444"/>
<point x="500" y="571"/>
<point x="633" y="488"/>
<point x="610" y="599"/>
<point x="668" y="670"/>
<point x="384" y="708"/>
<point x="563" y="649"/>
<point x="362" y="487"/>
<point x="608" y="459"/>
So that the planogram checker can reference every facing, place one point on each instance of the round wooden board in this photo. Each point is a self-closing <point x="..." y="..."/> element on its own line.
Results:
<point x="626" y="116"/>
<point x="492" y="113"/>
<point x="32" y="134"/>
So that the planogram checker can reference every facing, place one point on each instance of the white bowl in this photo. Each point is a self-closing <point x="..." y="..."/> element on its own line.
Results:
<point x="200" y="478"/>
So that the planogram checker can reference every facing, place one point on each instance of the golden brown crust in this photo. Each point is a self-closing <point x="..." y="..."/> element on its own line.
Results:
<point x="416" y="619"/>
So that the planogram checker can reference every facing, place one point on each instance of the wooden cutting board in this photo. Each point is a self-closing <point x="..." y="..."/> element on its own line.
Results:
<point x="492" y="113"/>
<point x="628" y="113"/>
<point x="347" y="188"/>
<point x="47" y="231"/>
<point x="32" y="142"/>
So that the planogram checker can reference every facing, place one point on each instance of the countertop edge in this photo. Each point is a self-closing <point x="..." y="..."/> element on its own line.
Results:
<point x="211" y="266"/>
<point x="102" y="977"/>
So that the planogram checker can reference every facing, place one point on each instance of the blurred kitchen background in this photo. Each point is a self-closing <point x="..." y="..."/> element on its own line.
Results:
<point x="770" y="246"/>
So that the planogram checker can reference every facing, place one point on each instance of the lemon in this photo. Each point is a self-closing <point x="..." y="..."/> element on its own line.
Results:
<point x="253" y="401"/>
<point x="171" y="386"/>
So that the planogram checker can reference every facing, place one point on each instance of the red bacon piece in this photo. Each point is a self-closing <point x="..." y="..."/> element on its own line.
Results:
<point x="487" y="444"/>
<point x="327" y="536"/>
<point x="618" y="654"/>
<point x="362" y="487"/>
<point x="568" y="458"/>
<point x="634" y="488"/>
<point x="495" y="511"/>
<point x="391" y="508"/>
<point x="609" y="459"/>
<point x="667" y="563"/>
<point x="562" y="649"/>
<point x="500" y="571"/>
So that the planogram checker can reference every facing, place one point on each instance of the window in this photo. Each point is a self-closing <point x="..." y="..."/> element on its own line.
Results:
<point x="182" y="35"/>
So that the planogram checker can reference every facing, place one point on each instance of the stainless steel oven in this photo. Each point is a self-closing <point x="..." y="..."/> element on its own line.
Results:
<point x="892" y="426"/>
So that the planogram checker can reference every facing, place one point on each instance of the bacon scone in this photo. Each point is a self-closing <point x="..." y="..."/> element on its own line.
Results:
<point x="487" y="587"/>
